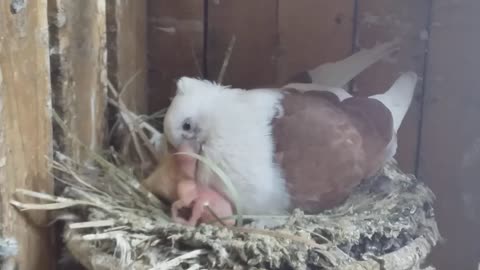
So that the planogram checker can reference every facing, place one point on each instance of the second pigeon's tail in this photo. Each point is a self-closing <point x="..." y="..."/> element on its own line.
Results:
<point x="339" y="74"/>
<point x="399" y="97"/>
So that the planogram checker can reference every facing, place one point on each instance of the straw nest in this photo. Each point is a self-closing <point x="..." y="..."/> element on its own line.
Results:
<point x="112" y="222"/>
<point x="387" y="223"/>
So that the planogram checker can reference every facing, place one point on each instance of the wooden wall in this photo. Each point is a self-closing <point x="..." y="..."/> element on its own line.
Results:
<point x="439" y="140"/>
<point x="60" y="54"/>
<point x="25" y="126"/>
<point x="450" y="139"/>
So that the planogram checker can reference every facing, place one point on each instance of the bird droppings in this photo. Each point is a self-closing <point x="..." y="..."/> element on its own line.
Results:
<point x="16" y="6"/>
<point x="8" y="248"/>
<point x="424" y="36"/>
<point x="8" y="251"/>
<point x="371" y="19"/>
<point x="472" y="154"/>
<point x="59" y="20"/>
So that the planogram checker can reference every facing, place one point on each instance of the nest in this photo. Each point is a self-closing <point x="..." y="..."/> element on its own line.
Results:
<point x="112" y="222"/>
<point x="387" y="223"/>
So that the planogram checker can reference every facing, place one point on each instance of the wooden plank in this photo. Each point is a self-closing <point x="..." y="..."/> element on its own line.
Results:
<point x="313" y="32"/>
<point x="127" y="49"/>
<point x="25" y="129"/>
<point x="254" y="55"/>
<point x="384" y="20"/>
<point x="450" y="141"/>
<point x="175" y="46"/>
<point x="79" y="68"/>
<point x="276" y="39"/>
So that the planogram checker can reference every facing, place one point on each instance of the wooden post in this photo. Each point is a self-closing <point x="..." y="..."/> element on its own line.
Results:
<point x="25" y="125"/>
<point x="127" y="63"/>
<point x="79" y="71"/>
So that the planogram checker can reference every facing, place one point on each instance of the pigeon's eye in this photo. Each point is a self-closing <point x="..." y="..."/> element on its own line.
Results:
<point x="186" y="125"/>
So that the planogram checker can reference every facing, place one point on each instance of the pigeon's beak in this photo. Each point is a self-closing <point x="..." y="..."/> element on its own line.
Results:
<point x="190" y="146"/>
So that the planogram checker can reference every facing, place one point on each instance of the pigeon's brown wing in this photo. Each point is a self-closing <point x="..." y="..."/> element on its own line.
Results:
<point x="374" y="123"/>
<point x="321" y="146"/>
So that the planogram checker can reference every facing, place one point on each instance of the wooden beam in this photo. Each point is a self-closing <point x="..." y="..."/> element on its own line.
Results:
<point x="385" y="20"/>
<point x="254" y="55"/>
<point x="25" y="126"/>
<point x="311" y="33"/>
<point x="175" y="46"/>
<point x="79" y="71"/>
<point x="450" y="141"/>
<point x="127" y="49"/>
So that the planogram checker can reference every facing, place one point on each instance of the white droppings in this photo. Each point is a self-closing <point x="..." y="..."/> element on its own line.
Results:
<point x="169" y="30"/>
<point x="8" y="247"/>
<point x="424" y="35"/>
<point x="17" y="6"/>
<point x="3" y="162"/>
<point x="472" y="154"/>
<point x="60" y="19"/>
<point x="371" y="19"/>
<point x="156" y="141"/>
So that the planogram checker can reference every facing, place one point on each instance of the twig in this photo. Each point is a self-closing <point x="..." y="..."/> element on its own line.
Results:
<point x="131" y="120"/>
<point x="324" y="239"/>
<point x="195" y="59"/>
<point x="92" y="224"/>
<point x="129" y="123"/>
<point x="226" y="60"/>
<point x="178" y="260"/>
<point x="47" y="206"/>
<point x="103" y="236"/>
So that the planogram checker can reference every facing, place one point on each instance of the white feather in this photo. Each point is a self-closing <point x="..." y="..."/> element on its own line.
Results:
<point x="399" y="97"/>
<point x="339" y="73"/>
<point x="238" y="138"/>
<point x="332" y="77"/>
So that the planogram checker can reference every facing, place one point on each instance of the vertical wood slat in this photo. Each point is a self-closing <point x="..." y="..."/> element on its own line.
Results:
<point x="313" y="32"/>
<point x="175" y="46"/>
<point x="25" y="126"/>
<point x="254" y="24"/>
<point x="450" y="142"/>
<point x="127" y="43"/>
<point x="384" y="20"/>
<point x="277" y="38"/>
<point x="79" y="71"/>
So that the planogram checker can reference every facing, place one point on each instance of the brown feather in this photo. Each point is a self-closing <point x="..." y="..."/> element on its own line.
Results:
<point x="326" y="147"/>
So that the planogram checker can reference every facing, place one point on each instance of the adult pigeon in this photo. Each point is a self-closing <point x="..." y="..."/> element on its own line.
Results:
<point x="287" y="148"/>
<point x="303" y="145"/>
